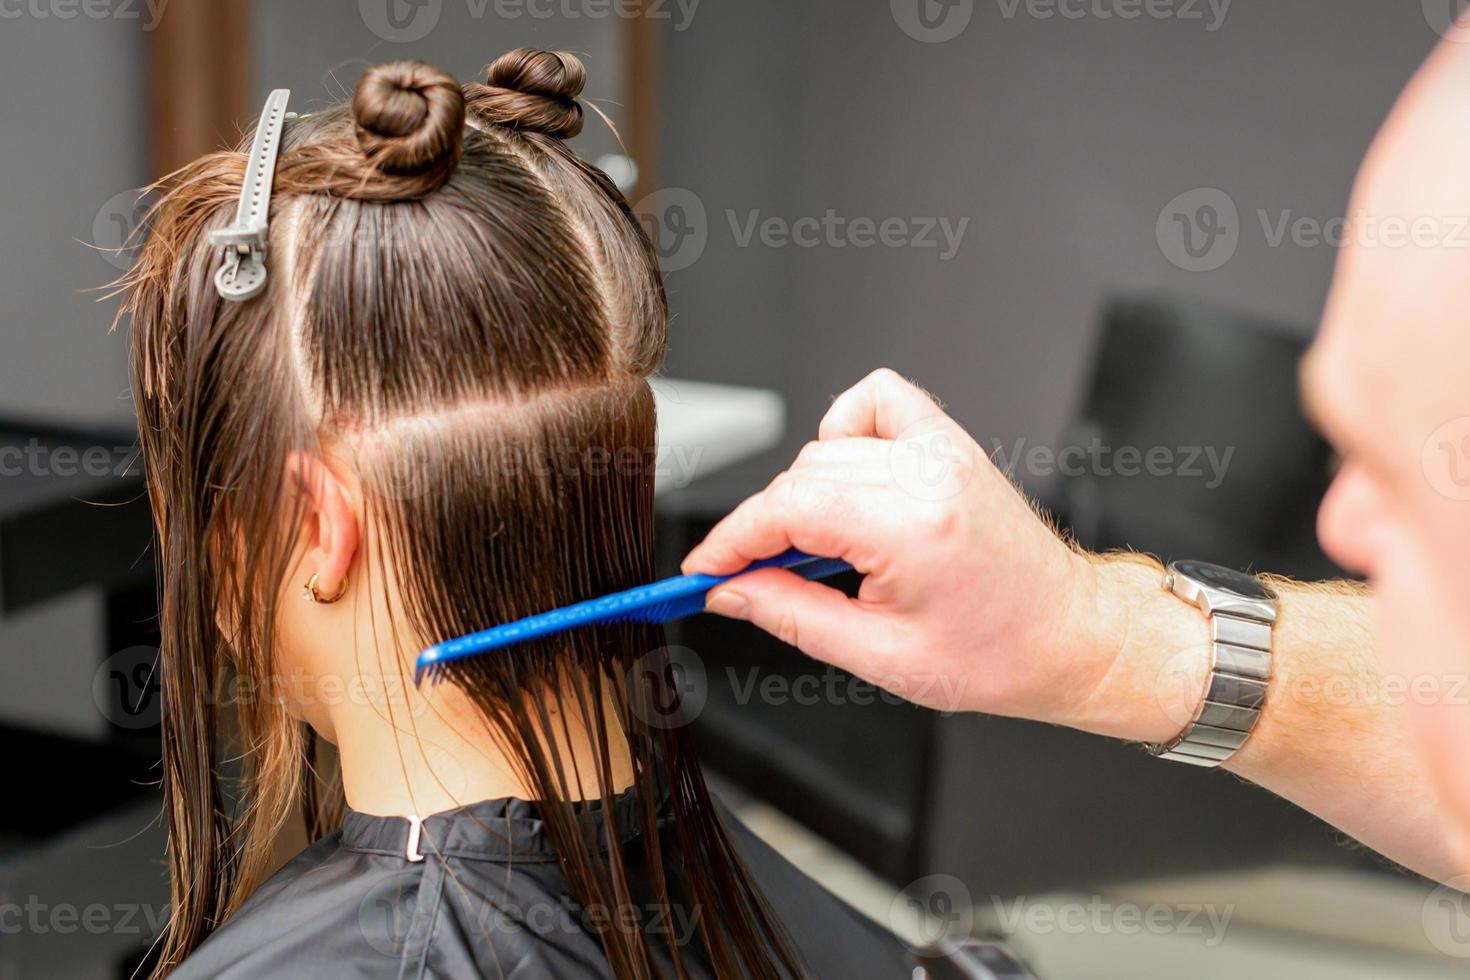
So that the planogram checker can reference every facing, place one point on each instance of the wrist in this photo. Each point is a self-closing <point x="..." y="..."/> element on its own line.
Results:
<point x="1153" y="652"/>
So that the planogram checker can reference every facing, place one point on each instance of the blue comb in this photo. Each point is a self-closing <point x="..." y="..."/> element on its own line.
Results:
<point x="660" y="602"/>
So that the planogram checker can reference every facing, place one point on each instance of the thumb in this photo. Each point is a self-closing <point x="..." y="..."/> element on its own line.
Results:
<point x="817" y="619"/>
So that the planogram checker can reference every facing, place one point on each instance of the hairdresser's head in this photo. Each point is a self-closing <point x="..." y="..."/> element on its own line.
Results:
<point x="438" y="413"/>
<point x="1389" y="381"/>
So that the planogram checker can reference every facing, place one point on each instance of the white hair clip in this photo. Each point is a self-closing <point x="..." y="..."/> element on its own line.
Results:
<point x="243" y="242"/>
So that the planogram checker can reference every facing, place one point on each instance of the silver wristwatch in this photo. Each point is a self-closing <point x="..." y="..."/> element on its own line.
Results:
<point x="1241" y="612"/>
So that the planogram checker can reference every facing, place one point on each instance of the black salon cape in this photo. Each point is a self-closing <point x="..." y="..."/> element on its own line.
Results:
<point x="495" y="905"/>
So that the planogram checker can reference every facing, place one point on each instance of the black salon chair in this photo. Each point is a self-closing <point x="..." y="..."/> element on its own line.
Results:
<point x="1215" y="391"/>
<point x="74" y="518"/>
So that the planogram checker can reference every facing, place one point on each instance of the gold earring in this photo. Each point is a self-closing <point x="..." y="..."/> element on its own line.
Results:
<point x="310" y="591"/>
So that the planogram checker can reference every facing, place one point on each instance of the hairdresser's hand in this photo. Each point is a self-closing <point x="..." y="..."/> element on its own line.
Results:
<point x="970" y="601"/>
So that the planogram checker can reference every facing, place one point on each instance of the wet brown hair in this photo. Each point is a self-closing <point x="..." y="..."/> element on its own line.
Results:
<point x="464" y="303"/>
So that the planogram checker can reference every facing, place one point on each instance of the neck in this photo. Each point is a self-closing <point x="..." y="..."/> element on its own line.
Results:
<point x="432" y="750"/>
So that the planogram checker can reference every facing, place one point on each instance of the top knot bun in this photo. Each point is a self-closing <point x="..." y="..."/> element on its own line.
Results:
<point x="410" y="119"/>
<point x="532" y="90"/>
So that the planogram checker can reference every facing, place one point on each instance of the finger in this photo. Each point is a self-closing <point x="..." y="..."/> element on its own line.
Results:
<point x="859" y="461"/>
<point x="872" y="473"/>
<point x="839" y="453"/>
<point x="823" y="517"/>
<point x="882" y="404"/>
<point x="815" y="618"/>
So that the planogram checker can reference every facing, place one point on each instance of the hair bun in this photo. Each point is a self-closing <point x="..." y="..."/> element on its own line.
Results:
<point x="410" y="118"/>
<point x="533" y="90"/>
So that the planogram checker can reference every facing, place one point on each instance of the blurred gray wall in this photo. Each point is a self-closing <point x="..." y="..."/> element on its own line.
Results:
<point x="75" y="145"/>
<point x="1061" y="140"/>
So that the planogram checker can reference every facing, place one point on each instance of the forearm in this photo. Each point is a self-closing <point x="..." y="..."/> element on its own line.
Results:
<point x="1330" y="737"/>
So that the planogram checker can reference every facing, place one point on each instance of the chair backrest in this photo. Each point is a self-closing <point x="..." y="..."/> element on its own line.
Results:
<point x="1194" y="442"/>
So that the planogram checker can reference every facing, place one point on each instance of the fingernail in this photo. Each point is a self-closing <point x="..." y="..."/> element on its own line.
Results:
<point x="727" y="603"/>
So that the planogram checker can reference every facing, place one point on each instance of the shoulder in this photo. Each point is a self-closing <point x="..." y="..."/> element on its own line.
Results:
<point x="311" y="918"/>
<point x="335" y="911"/>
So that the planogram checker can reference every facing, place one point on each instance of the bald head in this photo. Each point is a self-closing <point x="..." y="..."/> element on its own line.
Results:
<point x="1389" y="382"/>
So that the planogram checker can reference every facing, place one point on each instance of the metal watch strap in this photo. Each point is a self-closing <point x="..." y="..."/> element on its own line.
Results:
<point x="1240" y="672"/>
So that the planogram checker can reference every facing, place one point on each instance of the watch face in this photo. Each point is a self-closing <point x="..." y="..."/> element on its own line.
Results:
<point x="1223" y="578"/>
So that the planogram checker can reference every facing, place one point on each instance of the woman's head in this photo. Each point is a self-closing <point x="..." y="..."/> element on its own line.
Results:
<point x="439" y="408"/>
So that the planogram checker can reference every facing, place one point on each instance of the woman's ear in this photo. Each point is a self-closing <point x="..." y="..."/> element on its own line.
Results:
<point x="331" y="522"/>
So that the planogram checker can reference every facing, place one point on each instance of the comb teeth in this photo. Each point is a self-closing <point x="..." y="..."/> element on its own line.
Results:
<point x="660" y="602"/>
<point x="435" y="661"/>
